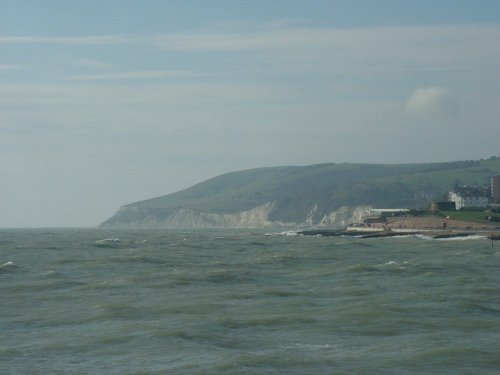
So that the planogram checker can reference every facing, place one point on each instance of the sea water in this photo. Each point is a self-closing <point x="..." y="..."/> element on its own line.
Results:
<point x="92" y="301"/>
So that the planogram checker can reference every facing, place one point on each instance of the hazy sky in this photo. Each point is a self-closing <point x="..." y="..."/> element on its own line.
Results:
<point x="103" y="103"/>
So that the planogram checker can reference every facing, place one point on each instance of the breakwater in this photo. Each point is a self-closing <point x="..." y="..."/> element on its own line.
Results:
<point x="362" y="232"/>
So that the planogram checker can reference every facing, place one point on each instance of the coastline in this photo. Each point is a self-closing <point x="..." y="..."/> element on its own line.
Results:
<point x="436" y="234"/>
<point x="430" y="226"/>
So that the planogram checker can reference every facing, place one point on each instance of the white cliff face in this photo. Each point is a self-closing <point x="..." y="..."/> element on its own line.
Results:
<point x="344" y="216"/>
<point x="310" y="216"/>
<point x="256" y="217"/>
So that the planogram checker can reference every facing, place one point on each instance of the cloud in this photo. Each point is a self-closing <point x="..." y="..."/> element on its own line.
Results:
<point x="287" y="47"/>
<point x="90" y="64"/>
<point x="63" y="40"/>
<point x="145" y="74"/>
<point x="431" y="101"/>
<point x="9" y="67"/>
<point x="366" y="52"/>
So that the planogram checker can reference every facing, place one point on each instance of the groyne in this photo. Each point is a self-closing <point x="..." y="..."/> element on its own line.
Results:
<point x="437" y="234"/>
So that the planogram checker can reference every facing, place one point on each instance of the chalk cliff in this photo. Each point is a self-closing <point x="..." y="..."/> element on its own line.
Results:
<point x="136" y="217"/>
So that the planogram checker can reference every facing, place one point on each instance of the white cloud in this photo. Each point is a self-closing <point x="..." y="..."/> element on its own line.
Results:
<point x="90" y="64"/>
<point x="64" y="40"/>
<point x="431" y="101"/>
<point x="145" y="74"/>
<point x="440" y="45"/>
<point x="9" y="67"/>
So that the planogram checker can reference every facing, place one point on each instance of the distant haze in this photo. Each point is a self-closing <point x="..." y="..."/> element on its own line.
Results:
<point x="103" y="103"/>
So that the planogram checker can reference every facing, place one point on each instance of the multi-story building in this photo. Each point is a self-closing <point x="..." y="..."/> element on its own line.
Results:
<point x="495" y="189"/>
<point x="467" y="201"/>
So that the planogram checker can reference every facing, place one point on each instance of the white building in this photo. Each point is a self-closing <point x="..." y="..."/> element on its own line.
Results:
<point x="379" y="212"/>
<point x="467" y="202"/>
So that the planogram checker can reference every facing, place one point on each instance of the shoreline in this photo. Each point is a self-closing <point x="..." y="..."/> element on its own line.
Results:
<point x="493" y="235"/>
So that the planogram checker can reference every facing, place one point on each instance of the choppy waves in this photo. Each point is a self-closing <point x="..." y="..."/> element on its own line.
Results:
<point x="242" y="301"/>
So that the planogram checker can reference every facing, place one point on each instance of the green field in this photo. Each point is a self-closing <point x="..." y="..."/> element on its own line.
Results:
<point x="476" y="216"/>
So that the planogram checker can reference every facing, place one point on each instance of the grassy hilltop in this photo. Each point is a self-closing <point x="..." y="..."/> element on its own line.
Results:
<point x="295" y="191"/>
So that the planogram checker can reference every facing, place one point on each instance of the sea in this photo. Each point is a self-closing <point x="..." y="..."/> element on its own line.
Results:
<point x="246" y="301"/>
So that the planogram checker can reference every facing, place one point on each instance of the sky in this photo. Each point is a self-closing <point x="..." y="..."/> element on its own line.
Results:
<point x="104" y="103"/>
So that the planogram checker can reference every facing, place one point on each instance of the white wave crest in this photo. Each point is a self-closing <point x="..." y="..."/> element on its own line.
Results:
<point x="108" y="242"/>
<point x="8" y="266"/>
<point x="458" y="238"/>
<point x="291" y="233"/>
<point x="466" y="238"/>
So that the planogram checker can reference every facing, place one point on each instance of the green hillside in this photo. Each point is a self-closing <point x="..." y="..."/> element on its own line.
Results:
<point x="323" y="188"/>
<point x="296" y="190"/>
